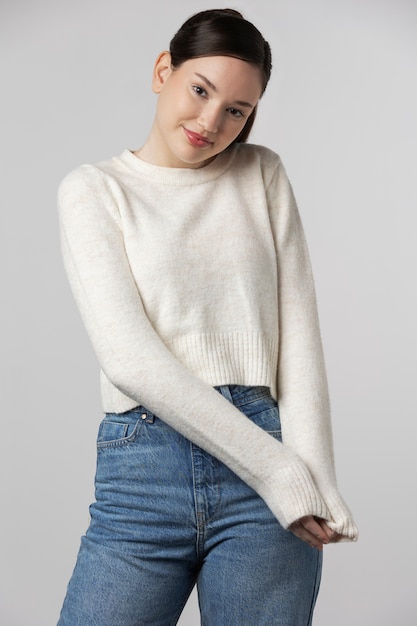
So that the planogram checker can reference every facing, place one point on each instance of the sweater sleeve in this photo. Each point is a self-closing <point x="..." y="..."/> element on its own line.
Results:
<point x="301" y="378"/>
<point x="136" y="361"/>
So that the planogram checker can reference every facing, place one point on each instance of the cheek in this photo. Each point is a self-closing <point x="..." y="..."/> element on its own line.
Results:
<point x="188" y="105"/>
<point x="233" y="129"/>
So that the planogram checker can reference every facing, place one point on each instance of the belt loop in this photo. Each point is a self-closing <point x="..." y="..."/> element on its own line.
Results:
<point x="225" y="391"/>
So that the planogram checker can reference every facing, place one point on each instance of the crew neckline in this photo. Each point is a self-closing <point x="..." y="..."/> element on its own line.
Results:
<point x="179" y="175"/>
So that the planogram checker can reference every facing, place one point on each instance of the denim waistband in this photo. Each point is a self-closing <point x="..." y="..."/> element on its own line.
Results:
<point x="239" y="395"/>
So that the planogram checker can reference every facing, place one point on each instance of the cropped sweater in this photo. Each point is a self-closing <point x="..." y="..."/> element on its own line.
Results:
<point x="188" y="279"/>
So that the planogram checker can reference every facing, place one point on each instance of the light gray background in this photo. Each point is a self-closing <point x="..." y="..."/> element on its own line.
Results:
<point x="341" y="111"/>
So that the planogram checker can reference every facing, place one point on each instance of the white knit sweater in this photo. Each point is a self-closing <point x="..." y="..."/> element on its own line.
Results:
<point x="191" y="278"/>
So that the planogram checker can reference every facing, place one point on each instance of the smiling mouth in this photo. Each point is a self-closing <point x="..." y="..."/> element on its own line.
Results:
<point x="196" y="140"/>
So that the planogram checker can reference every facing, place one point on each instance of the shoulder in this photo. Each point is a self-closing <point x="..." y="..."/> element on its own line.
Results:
<point x="272" y="176"/>
<point x="255" y="162"/>
<point x="86" y="175"/>
<point x="257" y="153"/>
<point x="88" y="192"/>
<point x="89" y="182"/>
<point x="260" y="157"/>
<point x="77" y="179"/>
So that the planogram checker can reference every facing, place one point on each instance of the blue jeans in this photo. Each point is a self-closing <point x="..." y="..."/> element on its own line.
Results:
<point x="169" y="516"/>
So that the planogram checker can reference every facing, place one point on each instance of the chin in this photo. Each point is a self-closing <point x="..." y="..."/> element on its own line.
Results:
<point x="195" y="161"/>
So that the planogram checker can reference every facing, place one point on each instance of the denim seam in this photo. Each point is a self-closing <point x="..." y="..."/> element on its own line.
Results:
<point x="117" y="443"/>
<point x="199" y="515"/>
<point x="315" y="588"/>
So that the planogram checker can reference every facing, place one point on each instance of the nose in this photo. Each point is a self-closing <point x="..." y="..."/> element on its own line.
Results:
<point x="210" y="118"/>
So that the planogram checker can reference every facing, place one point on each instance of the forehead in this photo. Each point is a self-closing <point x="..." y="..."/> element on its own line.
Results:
<point x="227" y="74"/>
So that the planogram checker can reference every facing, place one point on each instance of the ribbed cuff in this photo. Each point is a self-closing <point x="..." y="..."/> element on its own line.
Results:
<point x="293" y="495"/>
<point x="341" y="518"/>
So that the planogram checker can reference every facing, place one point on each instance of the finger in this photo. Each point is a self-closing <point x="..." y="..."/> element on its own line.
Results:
<point x="310" y="531"/>
<point x="312" y="525"/>
<point x="299" y="531"/>
<point x="331" y="534"/>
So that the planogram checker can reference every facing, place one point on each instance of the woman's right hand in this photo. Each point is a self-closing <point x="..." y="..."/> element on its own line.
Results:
<point x="314" y="531"/>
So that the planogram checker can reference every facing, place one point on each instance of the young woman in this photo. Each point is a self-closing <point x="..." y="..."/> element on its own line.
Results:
<point x="188" y="262"/>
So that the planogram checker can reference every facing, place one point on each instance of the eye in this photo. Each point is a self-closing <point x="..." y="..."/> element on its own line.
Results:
<point x="235" y="112"/>
<point x="200" y="91"/>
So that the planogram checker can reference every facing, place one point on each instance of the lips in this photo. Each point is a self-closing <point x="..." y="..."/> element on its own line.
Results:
<point x="196" y="140"/>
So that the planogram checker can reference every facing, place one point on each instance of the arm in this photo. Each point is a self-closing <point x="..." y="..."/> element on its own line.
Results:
<point x="302" y="383"/>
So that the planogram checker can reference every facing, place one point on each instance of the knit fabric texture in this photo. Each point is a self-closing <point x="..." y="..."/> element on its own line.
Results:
<point x="191" y="278"/>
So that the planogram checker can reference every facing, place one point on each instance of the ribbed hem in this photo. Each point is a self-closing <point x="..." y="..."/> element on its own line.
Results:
<point x="235" y="358"/>
<point x="226" y="358"/>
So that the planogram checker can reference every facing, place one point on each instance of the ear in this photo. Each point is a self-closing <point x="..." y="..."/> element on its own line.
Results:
<point x="161" y="71"/>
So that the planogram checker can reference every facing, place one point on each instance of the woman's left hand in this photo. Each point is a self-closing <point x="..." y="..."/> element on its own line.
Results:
<point x="314" y="531"/>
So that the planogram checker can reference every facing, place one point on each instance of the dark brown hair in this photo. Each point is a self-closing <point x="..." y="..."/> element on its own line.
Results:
<point x="223" y="32"/>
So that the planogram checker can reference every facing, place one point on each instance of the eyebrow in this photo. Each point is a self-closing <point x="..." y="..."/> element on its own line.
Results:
<point x="241" y="103"/>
